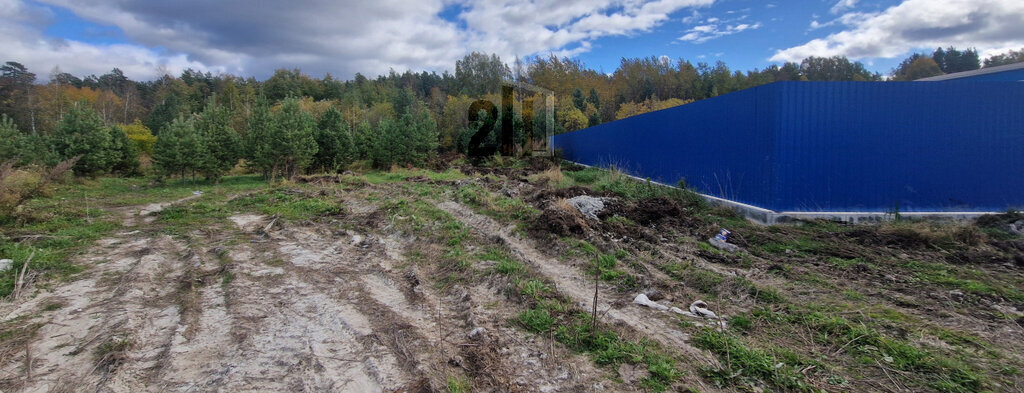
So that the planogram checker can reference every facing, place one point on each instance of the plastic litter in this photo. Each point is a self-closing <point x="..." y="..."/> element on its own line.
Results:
<point x="700" y="308"/>
<point x="642" y="300"/>
<point x="197" y="192"/>
<point x="721" y="241"/>
<point x="5" y="264"/>
<point x="1017" y="227"/>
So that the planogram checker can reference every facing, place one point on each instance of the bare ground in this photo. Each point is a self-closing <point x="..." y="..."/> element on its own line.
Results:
<point x="304" y="307"/>
<point x="368" y="297"/>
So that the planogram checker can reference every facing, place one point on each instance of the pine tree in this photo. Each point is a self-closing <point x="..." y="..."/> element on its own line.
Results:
<point x="292" y="138"/>
<point x="577" y="99"/>
<point x="10" y="135"/>
<point x="81" y="133"/>
<point x="125" y="157"/>
<point x="168" y="157"/>
<point x="164" y="112"/>
<point x="402" y="141"/>
<point x="23" y="148"/>
<point x="403" y="102"/>
<point x="259" y="152"/>
<point x="380" y="150"/>
<point x="363" y="140"/>
<point x="333" y="142"/>
<point x="222" y="144"/>
<point x="179" y="150"/>
<point x="425" y="139"/>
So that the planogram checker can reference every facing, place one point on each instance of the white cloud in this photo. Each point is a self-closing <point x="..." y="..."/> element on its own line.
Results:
<point x="341" y="37"/>
<point x="714" y="27"/>
<point x="842" y="6"/>
<point x="703" y="33"/>
<point x="988" y="25"/>
<point x="511" y="27"/>
<point x="24" y="42"/>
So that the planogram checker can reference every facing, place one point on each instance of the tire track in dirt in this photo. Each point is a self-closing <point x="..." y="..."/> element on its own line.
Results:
<point x="286" y="332"/>
<point x="571" y="282"/>
<point x="123" y="296"/>
<point x="301" y="308"/>
<point x="422" y="327"/>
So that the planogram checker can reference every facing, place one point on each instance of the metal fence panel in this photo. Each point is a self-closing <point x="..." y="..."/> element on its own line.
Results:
<point x="719" y="146"/>
<point x="831" y="146"/>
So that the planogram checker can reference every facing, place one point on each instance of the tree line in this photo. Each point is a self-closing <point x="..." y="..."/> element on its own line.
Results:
<point x="203" y="124"/>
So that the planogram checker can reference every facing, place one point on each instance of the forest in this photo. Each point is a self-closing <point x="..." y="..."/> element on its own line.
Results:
<point x="200" y="124"/>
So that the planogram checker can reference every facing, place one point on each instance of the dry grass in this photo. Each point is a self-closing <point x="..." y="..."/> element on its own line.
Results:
<point x="18" y="185"/>
<point x="551" y="176"/>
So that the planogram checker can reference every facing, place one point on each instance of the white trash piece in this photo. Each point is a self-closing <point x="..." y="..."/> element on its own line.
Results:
<point x="700" y="308"/>
<point x="1017" y="227"/>
<point x="5" y="264"/>
<point x="642" y="300"/>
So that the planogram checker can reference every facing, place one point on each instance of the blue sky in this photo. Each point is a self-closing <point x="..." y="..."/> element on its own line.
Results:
<point x="253" y="37"/>
<point x="780" y="24"/>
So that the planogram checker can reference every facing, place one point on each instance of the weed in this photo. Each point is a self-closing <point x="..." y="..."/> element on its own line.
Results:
<point x="227" y="277"/>
<point x="740" y="360"/>
<point x="803" y="245"/>
<point x="763" y="295"/>
<point x="870" y="345"/>
<point x="534" y="288"/>
<point x="111" y="353"/>
<point x="508" y="267"/>
<point x="853" y="295"/>
<point x="740" y="322"/>
<point x="458" y="385"/>
<point x="844" y="263"/>
<point x="704" y="280"/>
<point x="536" y="320"/>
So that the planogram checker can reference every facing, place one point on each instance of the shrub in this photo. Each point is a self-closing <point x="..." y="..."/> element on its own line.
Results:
<point x="20" y="185"/>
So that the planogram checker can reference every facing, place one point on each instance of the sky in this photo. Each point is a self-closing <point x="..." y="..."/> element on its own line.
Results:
<point x="148" y="38"/>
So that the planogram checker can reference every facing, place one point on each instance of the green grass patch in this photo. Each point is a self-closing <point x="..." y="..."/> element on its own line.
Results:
<point x="705" y="281"/>
<point x="950" y="277"/>
<point x="744" y="365"/>
<point x="535" y="289"/>
<point x="459" y="385"/>
<point x="630" y="188"/>
<point x="59" y="239"/>
<point x="803" y="245"/>
<point x="537" y="320"/>
<point x="498" y="207"/>
<point x="287" y="203"/>
<point x="551" y="316"/>
<point x="844" y="263"/>
<point x="865" y="343"/>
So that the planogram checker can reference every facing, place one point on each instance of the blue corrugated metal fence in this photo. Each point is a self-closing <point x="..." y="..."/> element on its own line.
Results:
<point x="830" y="146"/>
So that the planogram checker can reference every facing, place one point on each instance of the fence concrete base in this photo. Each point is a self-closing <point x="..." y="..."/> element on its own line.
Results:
<point x="770" y="217"/>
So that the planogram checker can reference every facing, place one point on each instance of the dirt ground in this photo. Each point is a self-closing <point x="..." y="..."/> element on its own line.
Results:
<point x="414" y="282"/>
